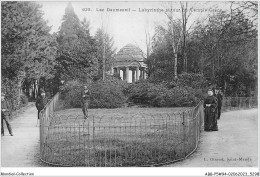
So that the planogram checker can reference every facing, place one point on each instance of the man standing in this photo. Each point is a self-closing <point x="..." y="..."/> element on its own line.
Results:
<point x="41" y="102"/>
<point x="85" y="99"/>
<point x="5" y="115"/>
<point x="220" y="98"/>
<point x="210" y="107"/>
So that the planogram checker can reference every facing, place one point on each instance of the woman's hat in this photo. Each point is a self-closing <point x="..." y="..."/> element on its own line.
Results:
<point x="210" y="89"/>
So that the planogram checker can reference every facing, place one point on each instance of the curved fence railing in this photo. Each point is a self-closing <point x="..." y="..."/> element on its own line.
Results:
<point x="133" y="140"/>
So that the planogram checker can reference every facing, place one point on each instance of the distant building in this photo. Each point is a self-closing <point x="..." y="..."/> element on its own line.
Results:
<point x="129" y="63"/>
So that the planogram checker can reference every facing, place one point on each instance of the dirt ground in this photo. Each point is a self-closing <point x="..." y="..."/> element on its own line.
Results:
<point x="22" y="149"/>
<point x="234" y="145"/>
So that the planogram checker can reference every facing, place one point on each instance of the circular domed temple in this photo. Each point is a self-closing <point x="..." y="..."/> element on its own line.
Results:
<point x="129" y="63"/>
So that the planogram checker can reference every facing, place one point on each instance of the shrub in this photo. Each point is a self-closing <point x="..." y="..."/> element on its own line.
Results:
<point x="104" y="94"/>
<point x="138" y="92"/>
<point x="71" y="94"/>
<point x="196" y="81"/>
<point x="117" y="82"/>
<point x="159" y="95"/>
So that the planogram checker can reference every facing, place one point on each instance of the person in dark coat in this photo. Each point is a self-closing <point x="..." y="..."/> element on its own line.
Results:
<point x="220" y="98"/>
<point x="215" y="125"/>
<point x="210" y="107"/>
<point x="85" y="99"/>
<point x="41" y="102"/>
<point x="5" y="115"/>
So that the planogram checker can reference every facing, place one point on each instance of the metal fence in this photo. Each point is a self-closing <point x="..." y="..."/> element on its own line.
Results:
<point x="235" y="103"/>
<point x="46" y="116"/>
<point x="133" y="140"/>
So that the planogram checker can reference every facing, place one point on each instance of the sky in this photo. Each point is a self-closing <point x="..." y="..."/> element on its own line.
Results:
<point x="125" y="27"/>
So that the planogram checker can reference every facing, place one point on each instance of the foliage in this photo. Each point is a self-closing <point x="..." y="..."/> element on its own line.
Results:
<point x="193" y="80"/>
<point x="160" y="62"/>
<point x="122" y="85"/>
<point x="159" y="95"/>
<point x="77" y="50"/>
<point x="228" y="51"/>
<point x="223" y="49"/>
<point x="26" y="43"/>
<point x="28" y="50"/>
<point x="104" y="94"/>
<point x="113" y="92"/>
<point x="71" y="94"/>
<point x="11" y="91"/>
<point x="106" y="47"/>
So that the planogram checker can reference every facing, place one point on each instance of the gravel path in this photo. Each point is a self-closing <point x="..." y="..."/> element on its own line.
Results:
<point x="234" y="145"/>
<point x="235" y="141"/>
<point x="22" y="149"/>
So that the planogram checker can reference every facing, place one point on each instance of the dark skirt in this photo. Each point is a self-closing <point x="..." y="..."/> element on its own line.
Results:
<point x="208" y="118"/>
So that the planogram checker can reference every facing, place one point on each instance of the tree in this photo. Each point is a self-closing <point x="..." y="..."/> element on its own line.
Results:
<point x="160" y="62"/>
<point x="77" y="50"/>
<point x="223" y="49"/>
<point x="175" y="36"/>
<point x="250" y="8"/>
<point x="106" y="51"/>
<point x="185" y="15"/>
<point x="149" y="38"/>
<point x="180" y="32"/>
<point x="26" y="43"/>
<point x="227" y="41"/>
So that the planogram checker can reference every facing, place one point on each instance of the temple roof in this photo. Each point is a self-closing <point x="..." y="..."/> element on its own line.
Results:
<point x="129" y="55"/>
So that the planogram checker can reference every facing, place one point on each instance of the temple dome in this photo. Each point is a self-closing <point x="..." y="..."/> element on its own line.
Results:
<point x="129" y="55"/>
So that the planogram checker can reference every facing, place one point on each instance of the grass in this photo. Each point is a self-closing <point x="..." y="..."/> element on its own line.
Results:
<point x="119" y="137"/>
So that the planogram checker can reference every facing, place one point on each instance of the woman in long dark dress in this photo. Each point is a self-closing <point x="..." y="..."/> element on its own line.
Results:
<point x="210" y="107"/>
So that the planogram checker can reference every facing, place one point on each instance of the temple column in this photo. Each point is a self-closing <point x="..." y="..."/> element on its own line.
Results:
<point x="145" y="75"/>
<point x="124" y="75"/>
<point x="137" y="74"/>
<point x="127" y="74"/>
<point x="133" y="76"/>
<point x="119" y="72"/>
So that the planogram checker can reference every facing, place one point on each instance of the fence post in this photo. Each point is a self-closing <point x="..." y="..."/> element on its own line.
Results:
<point x="201" y="119"/>
<point x="94" y="148"/>
<point x="40" y="129"/>
<point x="184" y="134"/>
<point x="196" y="123"/>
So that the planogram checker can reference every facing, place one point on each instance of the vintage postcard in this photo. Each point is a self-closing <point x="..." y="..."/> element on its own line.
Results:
<point x="168" y="88"/>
